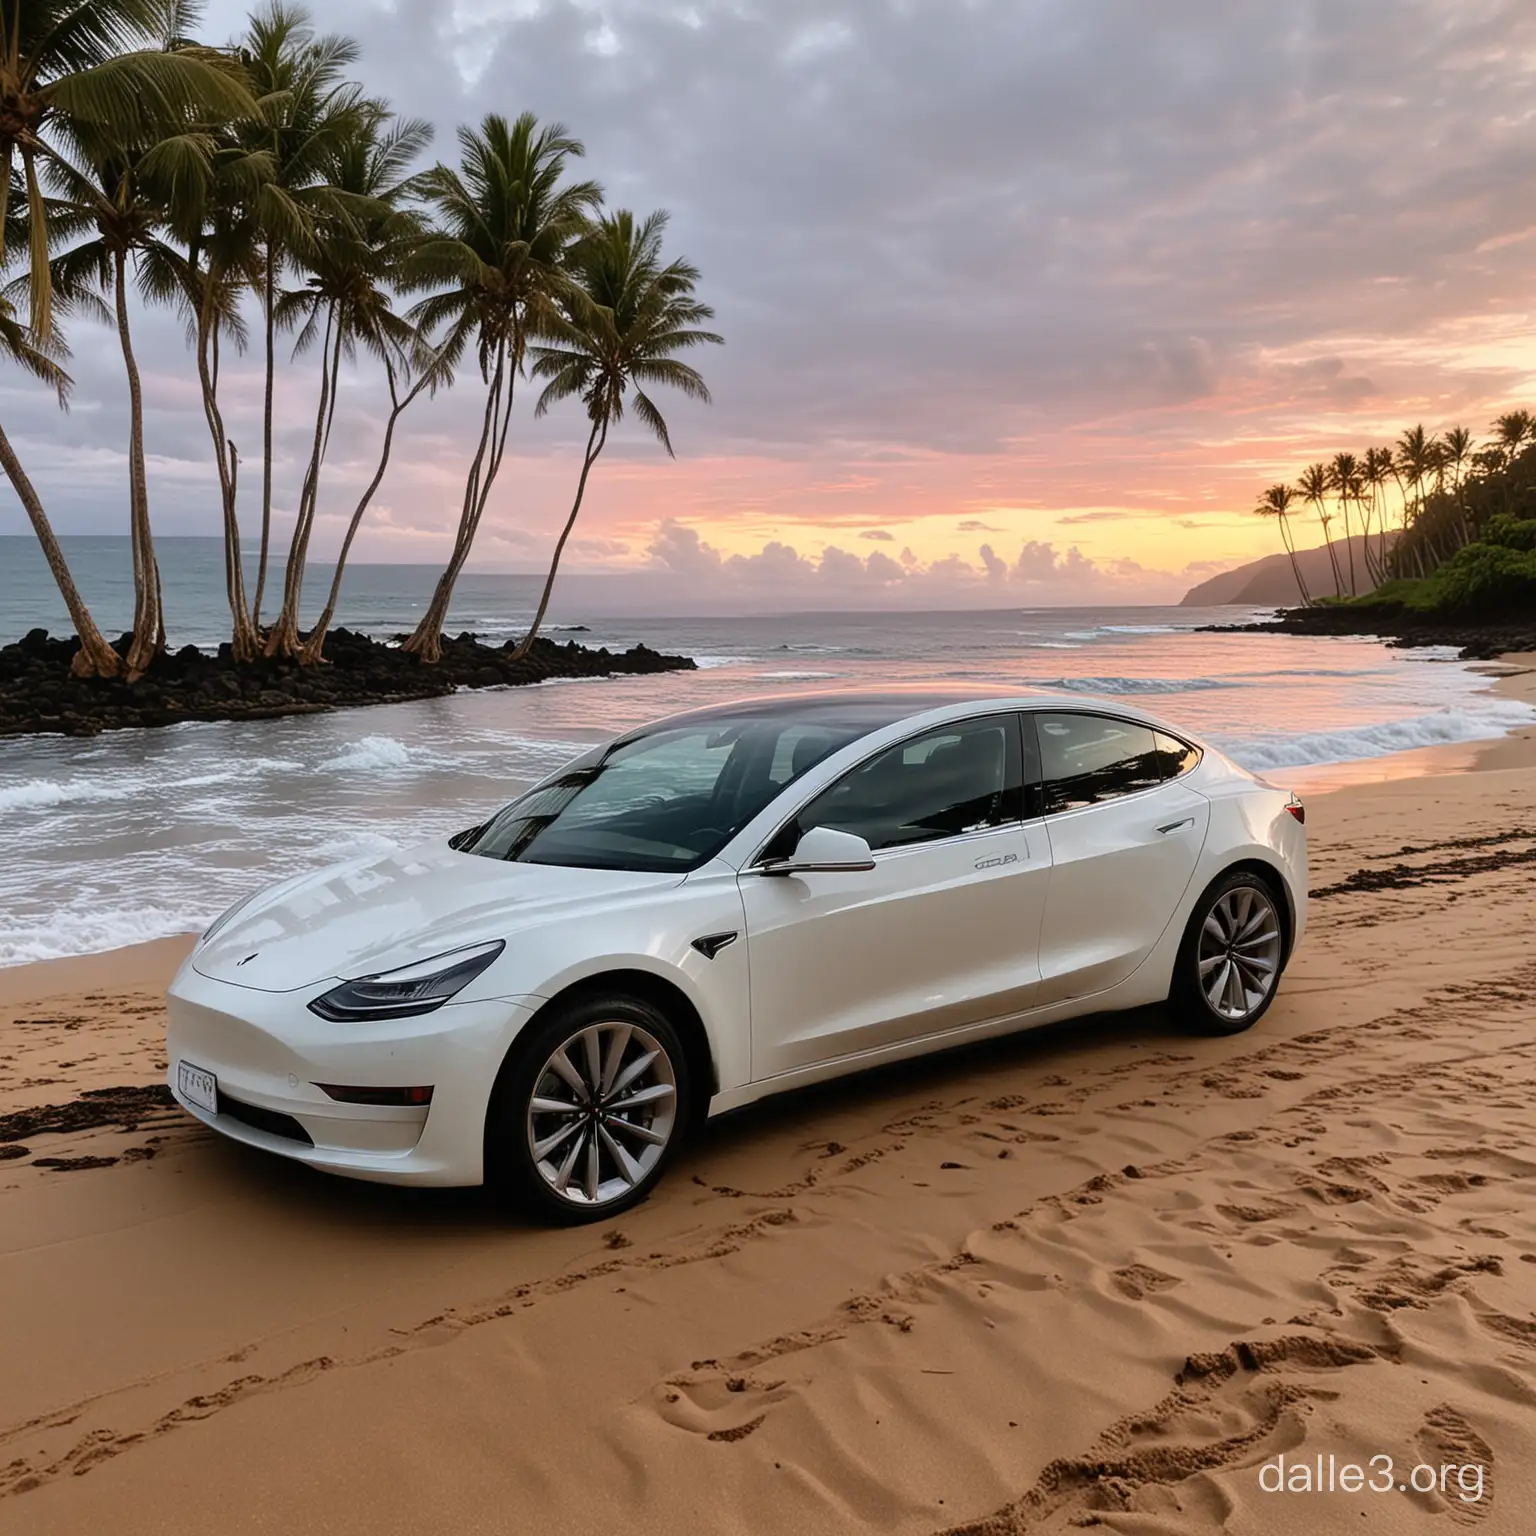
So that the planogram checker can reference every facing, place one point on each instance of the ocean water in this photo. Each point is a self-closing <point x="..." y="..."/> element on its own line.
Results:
<point x="138" y="834"/>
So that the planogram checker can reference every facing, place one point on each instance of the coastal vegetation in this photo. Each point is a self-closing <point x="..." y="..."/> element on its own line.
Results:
<point x="257" y="187"/>
<point x="1447" y="529"/>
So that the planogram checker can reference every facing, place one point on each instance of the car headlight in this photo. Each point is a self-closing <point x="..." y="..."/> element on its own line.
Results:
<point x="225" y="916"/>
<point x="417" y="988"/>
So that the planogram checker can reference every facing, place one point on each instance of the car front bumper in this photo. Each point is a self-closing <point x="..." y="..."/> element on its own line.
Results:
<point x="269" y="1053"/>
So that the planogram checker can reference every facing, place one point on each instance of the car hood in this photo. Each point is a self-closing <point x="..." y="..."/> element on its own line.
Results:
<point x="377" y="914"/>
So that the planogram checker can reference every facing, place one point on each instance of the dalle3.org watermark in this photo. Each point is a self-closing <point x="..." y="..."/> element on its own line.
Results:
<point x="1463" y="1481"/>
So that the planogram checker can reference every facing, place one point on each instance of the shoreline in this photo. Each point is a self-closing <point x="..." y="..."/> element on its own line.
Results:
<point x="38" y="696"/>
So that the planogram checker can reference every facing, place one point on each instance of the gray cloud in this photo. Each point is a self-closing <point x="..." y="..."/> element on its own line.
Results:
<point x="964" y="228"/>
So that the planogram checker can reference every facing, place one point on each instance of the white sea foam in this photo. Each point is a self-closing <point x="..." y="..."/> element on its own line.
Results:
<point x="84" y="932"/>
<point x="45" y="794"/>
<point x="1444" y="727"/>
<point x="707" y="663"/>
<point x="369" y="752"/>
<point x="1128" y="685"/>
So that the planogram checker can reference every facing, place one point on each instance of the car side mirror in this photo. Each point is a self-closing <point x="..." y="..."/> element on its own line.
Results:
<point x="823" y="850"/>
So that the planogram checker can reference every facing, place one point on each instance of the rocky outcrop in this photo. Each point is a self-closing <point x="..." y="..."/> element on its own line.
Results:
<point x="38" y="694"/>
<point x="1476" y="642"/>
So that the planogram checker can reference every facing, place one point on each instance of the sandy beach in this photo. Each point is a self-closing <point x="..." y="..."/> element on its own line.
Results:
<point x="1098" y="1275"/>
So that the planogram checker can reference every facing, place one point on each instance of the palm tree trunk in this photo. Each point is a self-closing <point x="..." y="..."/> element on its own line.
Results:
<point x="41" y="291"/>
<point x="269" y="300"/>
<point x="314" y="645"/>
<point x="95" y="658"/>
<point x="243" y="639"/>
<point x="284" y="639"/>
<point x="1396" y="556"/>
<point x="1349" y="548"/>
<point x="1333" y="556"/>
<point x="595" y="440"/>
<point x="1367" y="512"/>
<point x="426" y="640"/>
<point x="1290" y="549"/>
<point x="148" y="621"/>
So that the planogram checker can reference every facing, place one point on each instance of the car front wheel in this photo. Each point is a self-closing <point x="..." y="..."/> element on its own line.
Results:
<point x="1233" y="951"/>
<point x="589" y="1110"/>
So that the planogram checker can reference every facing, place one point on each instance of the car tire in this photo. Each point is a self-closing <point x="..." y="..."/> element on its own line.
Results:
<point x="574" y="1137"/>
<point x="1232" y="955"/>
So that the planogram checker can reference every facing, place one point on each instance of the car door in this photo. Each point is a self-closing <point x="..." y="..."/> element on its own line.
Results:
<point x="1125" y="833"/>
<point x="941" y="933"/>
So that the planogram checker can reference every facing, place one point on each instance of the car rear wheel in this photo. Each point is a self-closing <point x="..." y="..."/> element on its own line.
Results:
<point x="589" y="1109"/>
<point x="1233" y="952"/>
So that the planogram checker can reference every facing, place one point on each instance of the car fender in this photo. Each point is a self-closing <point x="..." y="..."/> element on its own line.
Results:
<point x="657" y="939"/>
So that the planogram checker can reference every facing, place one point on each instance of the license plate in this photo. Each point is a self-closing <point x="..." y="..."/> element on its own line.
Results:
<point x="198" y="1086"/>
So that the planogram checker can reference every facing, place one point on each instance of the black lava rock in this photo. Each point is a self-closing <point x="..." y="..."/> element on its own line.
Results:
<point x="39" y="693"/>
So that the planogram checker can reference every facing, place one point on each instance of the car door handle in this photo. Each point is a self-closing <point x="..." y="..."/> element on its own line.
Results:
<point x="1174" y="826"/>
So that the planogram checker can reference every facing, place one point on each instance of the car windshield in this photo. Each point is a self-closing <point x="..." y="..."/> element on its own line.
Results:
<point x="665" y="800"/>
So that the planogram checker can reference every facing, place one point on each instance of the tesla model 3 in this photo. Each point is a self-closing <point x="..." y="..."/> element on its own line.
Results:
<point x="723" y="905"/>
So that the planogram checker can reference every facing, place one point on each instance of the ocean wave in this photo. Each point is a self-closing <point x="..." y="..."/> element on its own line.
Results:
<point x="1119" y="685"/>
<point x="86" y="932"/>
<point x="45" y="794"/>
<point x="792" y="676"/>
<point x="707" y="663"/>
<point x="1444" y="727"/>
<point x="369" y="752"/>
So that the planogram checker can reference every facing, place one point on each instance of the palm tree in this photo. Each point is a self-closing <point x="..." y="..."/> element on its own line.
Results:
<point x="304" y="109"/>
<point x="1314" y="487"/>
<point x="1415" y="462"/>
<point x="102" y="65"/>
<point x="619" y="331"/>
<point x="119" y="189"/>
<point x="1458" y="452"/>
<point x="219" y="261"/>
<point x="43" y="360"/>
<point x="1511" y="431"/>
<point x="1276" y="503"/>
<point x="359" y="251"/>
<point x="508" y="218"/>
<point x="1344" y="478"/>
<point x="1376" y="470"/>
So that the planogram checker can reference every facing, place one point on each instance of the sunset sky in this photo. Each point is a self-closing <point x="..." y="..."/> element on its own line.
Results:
<point x="1024" y="301"/>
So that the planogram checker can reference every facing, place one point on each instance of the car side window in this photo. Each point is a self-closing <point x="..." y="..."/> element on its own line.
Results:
<point x="1174" y="756"/>
<point x="1087" y="759"/>
<point x="954" y="779"/>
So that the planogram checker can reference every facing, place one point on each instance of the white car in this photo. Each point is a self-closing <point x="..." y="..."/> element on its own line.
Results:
<point x="727" y="904"/>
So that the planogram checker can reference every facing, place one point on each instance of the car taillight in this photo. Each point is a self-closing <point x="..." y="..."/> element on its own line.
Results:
<point x="1298" y="810"/>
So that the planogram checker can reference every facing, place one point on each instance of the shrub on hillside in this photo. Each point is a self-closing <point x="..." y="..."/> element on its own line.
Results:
<point x="1510" y="532"/>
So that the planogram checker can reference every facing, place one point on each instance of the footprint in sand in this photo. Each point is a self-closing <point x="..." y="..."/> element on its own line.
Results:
<point x="1446" y="1439"/>
<point x="1137" y="1281"/>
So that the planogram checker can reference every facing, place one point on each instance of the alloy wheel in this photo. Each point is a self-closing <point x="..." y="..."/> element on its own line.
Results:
<point x="602" y="1113"/>
<point x="1239" y="954"/>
